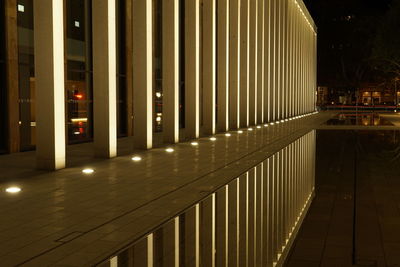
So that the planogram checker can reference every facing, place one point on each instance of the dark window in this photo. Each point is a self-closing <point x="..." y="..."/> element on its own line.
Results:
<point x="26" y="69"/>
<point x="3" y="95"/>
<point x="121" y="68"/>
<point x="79" y="82"/>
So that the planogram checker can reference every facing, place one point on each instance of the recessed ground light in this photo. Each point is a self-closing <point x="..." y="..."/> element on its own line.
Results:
<point x="169" y="150"/>
<point x="194" y="143"/>
<point x="13" y="190"/>
<point x="277" y="122"/>
<point x="136" y="158"/>
<point x="272" y="123"/>
<point x="258" y="127"/>
<point x="227" y="134"/>
<point x="250" y="129"/>
<point x="240" y="131"/>
<point x="88" y="171"/>
<point x="213" y="138"/>
<point x="265" y="125"/>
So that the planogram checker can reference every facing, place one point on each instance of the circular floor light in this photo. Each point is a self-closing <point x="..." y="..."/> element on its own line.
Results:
<point x="88" y="171"/>
<point x="13" y="190"/>
<point x="136" y="158"/>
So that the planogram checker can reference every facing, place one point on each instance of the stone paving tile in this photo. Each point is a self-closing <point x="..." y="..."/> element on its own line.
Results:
<point x="109" y="206"/>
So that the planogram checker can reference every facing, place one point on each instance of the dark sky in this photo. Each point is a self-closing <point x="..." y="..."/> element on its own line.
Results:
<point x="346" y="30"/>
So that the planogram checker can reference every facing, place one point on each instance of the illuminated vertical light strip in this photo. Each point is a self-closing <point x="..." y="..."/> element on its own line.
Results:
<point x="273" y="60"/>
<point x="49" y="75"/>
<point x="114" y="261"/>
<point x="291" y="68"/>
<point x="234" y="63"/>
<point x="209" y="65"/>
<point x="223" y="65"/>
<point x="150" y="252"/>
<point x="267" y="61"/>
<point x="278" y="62"/>
<point x="170" y="69"/>
<point x="177" y="242"/>
<point x="104" y="79"/>
<point x="192" y="68"/>
<point x="253" y="61"/>
<point x="142" y="73"/>
<point x="244" y="62"/>
<point x="284" y="59"/>
<point x="261" y="62"/>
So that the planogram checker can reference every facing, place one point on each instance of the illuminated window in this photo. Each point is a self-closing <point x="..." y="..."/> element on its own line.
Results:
<point x="21" y="8"/>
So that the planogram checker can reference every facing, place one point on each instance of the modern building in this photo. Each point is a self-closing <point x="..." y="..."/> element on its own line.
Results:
<point x="161" y="72"/>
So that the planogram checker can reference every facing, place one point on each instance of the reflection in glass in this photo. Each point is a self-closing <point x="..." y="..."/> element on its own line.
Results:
<point x="78" y="84"/>
<point x="157" y="65"/>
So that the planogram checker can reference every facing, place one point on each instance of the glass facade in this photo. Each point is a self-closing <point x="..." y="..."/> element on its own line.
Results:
<point x="3" y="95"/>
<point x="26" y="69"/>
<point x="78" y="71"/>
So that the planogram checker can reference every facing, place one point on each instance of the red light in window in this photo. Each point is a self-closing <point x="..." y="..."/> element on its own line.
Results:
<point x="78" y="96"/>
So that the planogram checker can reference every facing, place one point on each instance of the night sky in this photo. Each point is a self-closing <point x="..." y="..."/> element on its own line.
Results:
<point x="347" y="31"/>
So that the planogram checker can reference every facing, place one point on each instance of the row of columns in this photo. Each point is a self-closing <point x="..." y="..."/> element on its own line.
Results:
<point x="251" y="221"/>
<point x="262" y="70"/>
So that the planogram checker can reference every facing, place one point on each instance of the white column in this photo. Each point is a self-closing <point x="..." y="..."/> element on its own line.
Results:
<point x="268" y="61"/>
<point x="244" y="62"/>
<point x="253" y="61"/>
<point x="104" y="78"/>
<point x="209" y="65"/>
<point x="49" y="75"/>
<point x="261" y="88"/>
<point x="170" y="28"/>
<point x="223" y="65"/>
<point x="192" y="68"/>
<point x="274" y="53"/>
<point x="142" y="73"/>
<point x="278" y="62"/>
<point x="234" y="63"/>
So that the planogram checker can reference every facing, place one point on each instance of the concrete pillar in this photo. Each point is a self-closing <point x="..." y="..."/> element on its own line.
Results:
<point x="273" y="53"/>
<point x="291" y="61"/>
<point x="261" y="88"/>
<point x="104" y="78"/>
<point x="209" y="65"/>
<point x="223" y="65"/>
<point x="253" y="61"/>
<point x="170" y="28"/>
<point x="267" y="61"/>
<point x="234" y="63"/>
<point x="244" y="62"/>
<point x="278" y="61"/>
<point x="49" y="75"/>
<point x="11" y="44"/>
<point x="142" y="74"/>
<point x="192" y="68"/>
